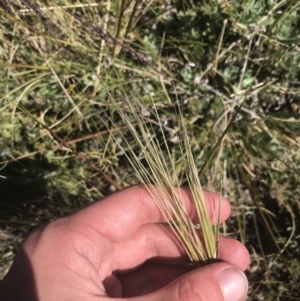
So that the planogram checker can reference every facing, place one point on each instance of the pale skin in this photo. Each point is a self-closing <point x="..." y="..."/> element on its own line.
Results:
<point x="114" y="249"/>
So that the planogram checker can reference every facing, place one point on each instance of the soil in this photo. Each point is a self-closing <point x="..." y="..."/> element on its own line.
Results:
<point x="7" y="239"/>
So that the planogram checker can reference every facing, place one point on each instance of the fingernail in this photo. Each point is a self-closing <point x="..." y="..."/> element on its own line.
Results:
<point x="234" y="284"/>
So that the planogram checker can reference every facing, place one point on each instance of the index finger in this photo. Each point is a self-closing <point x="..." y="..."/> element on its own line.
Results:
<point x="121" y="214"/>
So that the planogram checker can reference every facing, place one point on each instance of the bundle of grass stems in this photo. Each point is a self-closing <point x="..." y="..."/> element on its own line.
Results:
<point x="154" y="165"/>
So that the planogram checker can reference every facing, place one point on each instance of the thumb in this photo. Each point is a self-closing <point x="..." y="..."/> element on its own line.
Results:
<point x="214" y="282"/>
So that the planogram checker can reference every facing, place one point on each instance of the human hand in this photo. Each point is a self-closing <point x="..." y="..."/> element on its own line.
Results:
<point x="112" y="249"/>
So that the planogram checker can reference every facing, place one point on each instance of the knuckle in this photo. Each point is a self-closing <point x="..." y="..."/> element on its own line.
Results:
<point x="189" y="291"/>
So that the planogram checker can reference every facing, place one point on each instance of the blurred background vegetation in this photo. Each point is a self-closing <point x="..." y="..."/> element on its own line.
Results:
<point x="60" y="61"/>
